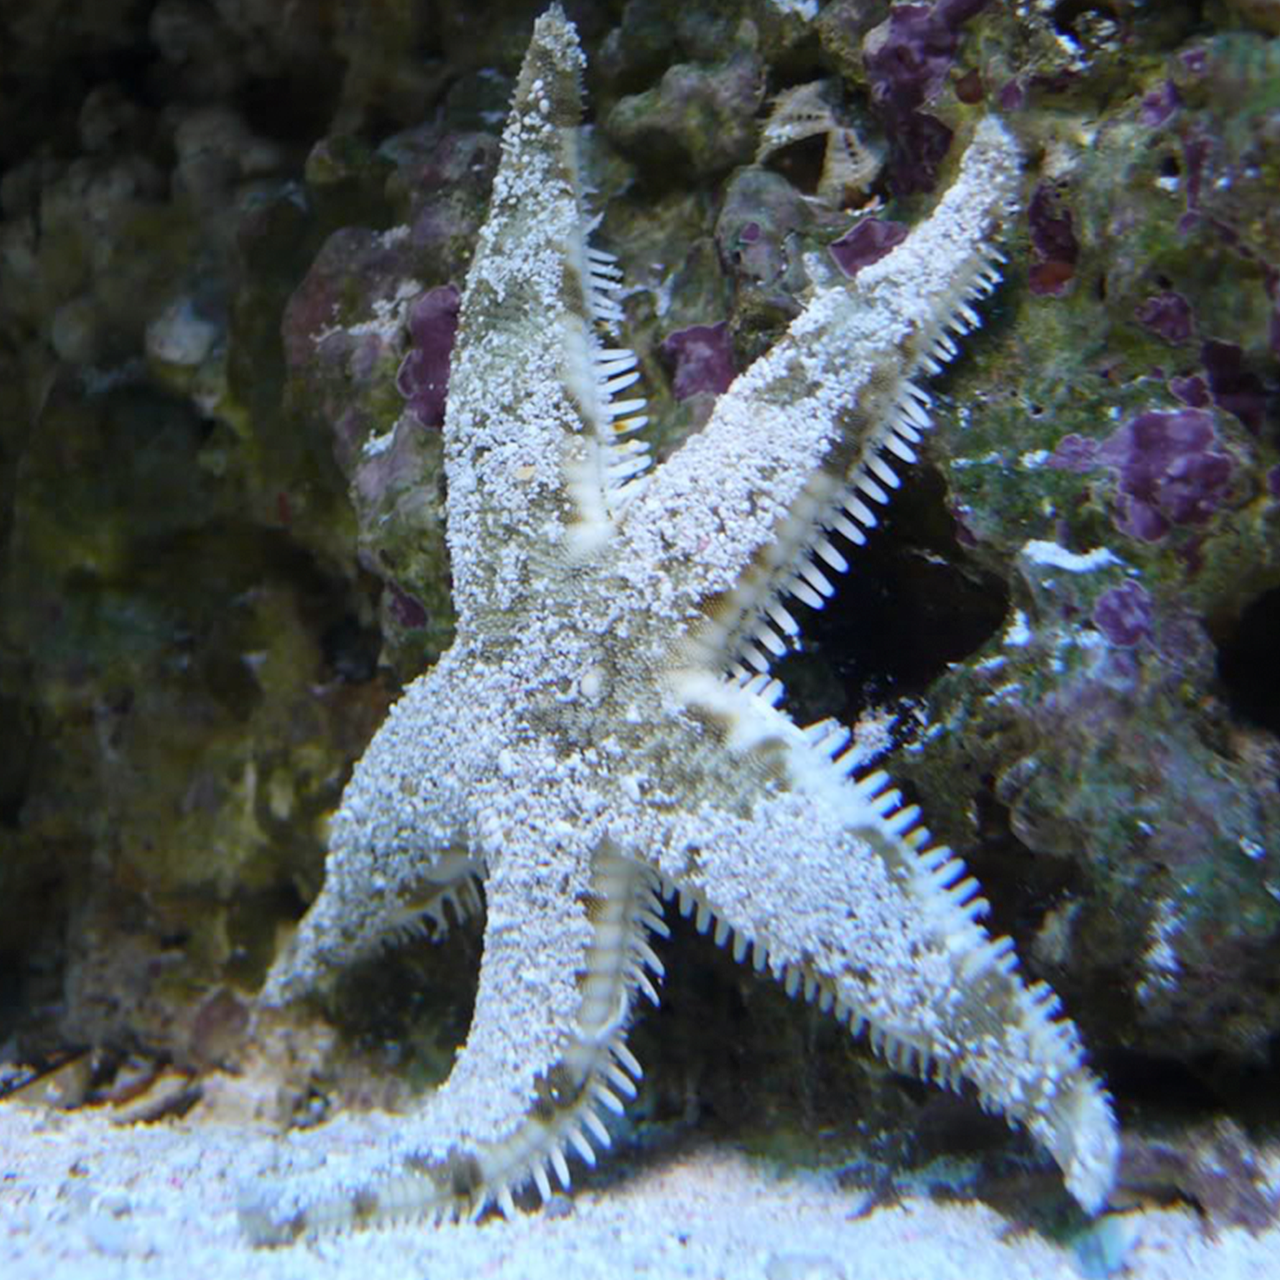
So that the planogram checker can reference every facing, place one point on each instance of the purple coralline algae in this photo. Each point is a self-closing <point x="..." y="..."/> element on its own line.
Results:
<point x="1158" y="105"/>
<point x="1168" y="315"/>
<point x="1169" y="468"/>
<point x="867" y="242"/>
<point x="702" y="357"/>
<point x="1123" y="614"/>
<point x="1233" y="387"/>
<point x="1191" y="389"/>
<point x="423" y="378"/>
<point x="1053" y="239"/>
<point x="1169" y="471"/>
<point x="1075" y="453"/>
<point x="1225" y="382"/>
<point x="908" y="59"/>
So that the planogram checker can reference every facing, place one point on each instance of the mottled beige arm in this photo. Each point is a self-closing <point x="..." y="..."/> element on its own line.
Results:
<point x="834" y="885"/>
<point x="807" y="439"/>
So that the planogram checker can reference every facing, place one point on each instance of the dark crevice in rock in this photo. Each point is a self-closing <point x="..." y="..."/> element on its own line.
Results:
<point x="1247" y="663"/>
<point x="909" y="607"/>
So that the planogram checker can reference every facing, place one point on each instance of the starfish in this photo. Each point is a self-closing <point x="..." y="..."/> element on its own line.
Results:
<point x="603" y="733"/>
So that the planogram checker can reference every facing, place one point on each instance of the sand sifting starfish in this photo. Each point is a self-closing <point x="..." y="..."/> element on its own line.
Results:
<point x="603" y="732"/>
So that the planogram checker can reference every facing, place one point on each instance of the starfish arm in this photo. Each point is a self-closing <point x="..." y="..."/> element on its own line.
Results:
<point x="834" y="885"/>
<point x="397" y="850"/>
<point x="800" y="444"/>
<point x="537" y="410"/>
<point x="564" y="954"/>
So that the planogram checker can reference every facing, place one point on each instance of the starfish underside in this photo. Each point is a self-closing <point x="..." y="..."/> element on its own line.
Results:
<point x="604" y="734"/>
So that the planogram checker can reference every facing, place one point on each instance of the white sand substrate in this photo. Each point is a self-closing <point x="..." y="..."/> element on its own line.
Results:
<point x="83" y="1199"/>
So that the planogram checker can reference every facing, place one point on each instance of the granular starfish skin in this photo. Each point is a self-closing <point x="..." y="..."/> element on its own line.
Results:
<point x="603" y="732"/>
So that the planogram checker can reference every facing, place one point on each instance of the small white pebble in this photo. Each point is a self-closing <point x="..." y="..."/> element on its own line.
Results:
<point x="109" y="1235"/>
<point x="803" y="1266"/>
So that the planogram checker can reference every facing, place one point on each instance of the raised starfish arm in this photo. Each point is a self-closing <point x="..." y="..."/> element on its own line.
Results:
<point x="805" y="441"/>
<point x="564" y="955"/>
<point x="834" y="886"/>
<point x="538" y="420"/>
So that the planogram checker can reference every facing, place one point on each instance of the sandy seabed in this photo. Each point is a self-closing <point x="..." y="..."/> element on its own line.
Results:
<point x="82" y="1198"/>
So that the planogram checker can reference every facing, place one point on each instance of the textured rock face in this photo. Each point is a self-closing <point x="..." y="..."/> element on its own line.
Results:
<point x="1120" y="483"/>
<point x="225" y="262"/>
